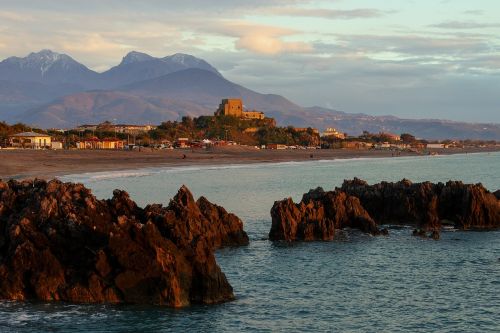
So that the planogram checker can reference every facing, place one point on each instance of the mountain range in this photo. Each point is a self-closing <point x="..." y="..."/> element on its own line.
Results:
<point x="53" y="90"/>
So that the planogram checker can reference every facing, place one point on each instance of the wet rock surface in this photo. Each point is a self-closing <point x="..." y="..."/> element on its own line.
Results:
<point x="58" y="242"/>
<point x="358" y="205"/>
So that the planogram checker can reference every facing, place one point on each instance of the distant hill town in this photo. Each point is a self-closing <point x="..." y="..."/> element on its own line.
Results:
<point x="51" y="90"/>
<point x="231" y="124"/>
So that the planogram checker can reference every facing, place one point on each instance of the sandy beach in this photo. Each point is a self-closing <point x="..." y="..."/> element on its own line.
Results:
<point x="47" y="164"/>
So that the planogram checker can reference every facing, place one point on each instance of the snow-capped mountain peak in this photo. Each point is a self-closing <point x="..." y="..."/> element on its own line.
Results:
<point x="44" y="66"/>
<point x="42" y="60"/>
<point x="45" y="59"/>
<point x="44" y="55"/>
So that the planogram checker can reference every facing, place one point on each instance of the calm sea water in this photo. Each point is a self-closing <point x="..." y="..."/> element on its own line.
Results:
<point x="356" y="283"/>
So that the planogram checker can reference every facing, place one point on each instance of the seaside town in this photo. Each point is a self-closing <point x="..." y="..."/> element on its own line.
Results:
<point x="230" y="125"/>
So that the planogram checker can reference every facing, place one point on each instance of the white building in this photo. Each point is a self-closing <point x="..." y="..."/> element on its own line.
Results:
<point x="30" y="140"/>
<point x="332" y="132"/>
<point x="436" y="146"/>
<point x="56" y="145"/>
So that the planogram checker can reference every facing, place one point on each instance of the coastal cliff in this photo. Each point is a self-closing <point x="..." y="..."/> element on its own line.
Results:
<point x="59" y="243"/>
<point x="426" y="206"/>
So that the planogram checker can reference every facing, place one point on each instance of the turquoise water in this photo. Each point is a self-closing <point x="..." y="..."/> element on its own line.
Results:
<point x="356" y="283"/>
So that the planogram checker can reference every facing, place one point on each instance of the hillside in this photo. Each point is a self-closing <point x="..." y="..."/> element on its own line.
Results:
<point x="355" y="124"/>
<point x="53" y="90"/>
<point x="207" y="88"/>
<point x="192" y="92"/>
<point x="99" y="106"/>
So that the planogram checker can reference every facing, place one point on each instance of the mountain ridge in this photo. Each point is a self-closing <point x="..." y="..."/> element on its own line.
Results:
<point x="137" y="66"/>
<point x="142" y="88"/>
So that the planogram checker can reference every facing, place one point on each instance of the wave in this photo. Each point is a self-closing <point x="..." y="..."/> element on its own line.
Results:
<point x="98" y="176"/>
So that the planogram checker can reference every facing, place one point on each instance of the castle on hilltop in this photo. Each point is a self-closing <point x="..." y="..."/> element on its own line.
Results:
<point x="234" y="107"/>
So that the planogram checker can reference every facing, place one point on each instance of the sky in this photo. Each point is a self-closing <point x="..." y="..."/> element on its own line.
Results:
<point x="412" y="59"/>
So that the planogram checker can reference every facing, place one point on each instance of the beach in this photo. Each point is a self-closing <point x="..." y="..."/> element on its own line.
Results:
<point x="47" y="164"/>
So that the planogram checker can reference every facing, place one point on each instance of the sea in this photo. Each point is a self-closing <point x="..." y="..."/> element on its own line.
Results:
<point x="356" y="283"/>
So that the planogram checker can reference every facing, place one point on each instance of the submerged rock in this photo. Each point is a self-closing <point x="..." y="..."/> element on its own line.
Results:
<point x="434" y="234"/>
<point x="359" y="205"/>
<point x="58" y="242"/>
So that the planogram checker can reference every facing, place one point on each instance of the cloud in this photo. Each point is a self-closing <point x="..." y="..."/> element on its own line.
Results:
<point x="149" y="6"/>
<point x="14" y="17"/>
<point x="465" y="25"/>
<point x="115" y="30"/>
<point x="474" y="12"/>
<point x="325" y="13"/>
<point x="414" y="45"/>
<point x="260" y="38"/>
<point x="269" y="40"/>
<point x="93" y="43"/>
<point x="265" y="44"/>
<point x="481" y="64"/>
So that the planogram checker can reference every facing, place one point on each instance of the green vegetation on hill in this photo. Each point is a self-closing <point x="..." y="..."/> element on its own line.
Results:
<point x="248" y="132"/>
<point x="287" y="136"/>
<point x="209" y="127"/>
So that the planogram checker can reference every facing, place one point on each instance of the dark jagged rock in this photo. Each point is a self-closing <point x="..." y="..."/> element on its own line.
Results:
<point x="315" y="194"/>
<point x="356" y="204"/>
<point x="426" y="205"/>
<point x="497" y="194"/>
<point x="317" y="216"/>
<point x="58" y="242"/>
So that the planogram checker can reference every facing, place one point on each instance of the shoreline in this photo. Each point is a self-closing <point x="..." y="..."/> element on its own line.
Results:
<point x="48" y="164"/>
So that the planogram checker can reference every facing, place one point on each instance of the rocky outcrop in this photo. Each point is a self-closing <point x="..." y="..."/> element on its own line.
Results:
<point x="58" y="242"/>
<point x="317" y="216"/>
<point x="426" y="205"/>
<point x="356" y="204"/>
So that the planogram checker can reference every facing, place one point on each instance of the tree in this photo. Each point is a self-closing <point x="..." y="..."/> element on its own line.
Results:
<point x="407" y="138"/>
<point x="188" y="122"/>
